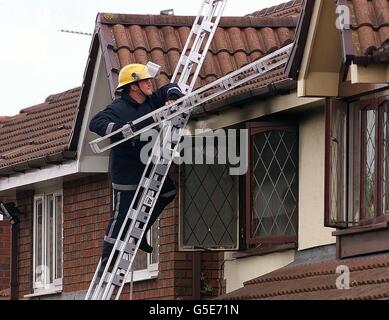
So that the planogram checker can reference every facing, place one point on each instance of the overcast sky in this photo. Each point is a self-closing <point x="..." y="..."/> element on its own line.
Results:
<point x="37" y="60"/>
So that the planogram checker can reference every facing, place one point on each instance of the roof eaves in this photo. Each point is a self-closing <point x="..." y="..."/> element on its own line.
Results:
<point x="273" y="89"/>
<point x="38" y="163"/>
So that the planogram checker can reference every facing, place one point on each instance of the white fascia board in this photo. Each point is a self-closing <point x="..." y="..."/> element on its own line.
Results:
<point x="39" y="175"/>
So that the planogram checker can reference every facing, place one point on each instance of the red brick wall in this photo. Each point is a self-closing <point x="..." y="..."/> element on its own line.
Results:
<point x="24" y="274"/>
<point x="87" y="206"/>
<point x="86" y="212"/>
<point x="5" y="250"/>
<point x="212" y="276"/>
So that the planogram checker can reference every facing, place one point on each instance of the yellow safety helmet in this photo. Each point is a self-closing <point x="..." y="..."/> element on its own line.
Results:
<point x="133" y="73"/>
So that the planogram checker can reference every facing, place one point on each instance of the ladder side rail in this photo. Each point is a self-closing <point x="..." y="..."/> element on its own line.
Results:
<point x="145" y="193"/>
<point x="180" y="107"/>
<point x="186" y="61"/>
<point x="166" y="144"/>
<point x="117" y="243"/>
<point x="185" y="49"/>
<point x="92" y="287"/>
<point x="210" y="11"/>
<point x="208" y="43"/>
<point x="196" y="47"/>
<point x="195" y="58"/>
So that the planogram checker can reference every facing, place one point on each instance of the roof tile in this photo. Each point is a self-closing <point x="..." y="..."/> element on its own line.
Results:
<point x="291" y="8"/>
<point x="369" y="279"/>
<point x="38" y="131"/>
<point x="370" y="29"/>
<point x="237" y="42"/>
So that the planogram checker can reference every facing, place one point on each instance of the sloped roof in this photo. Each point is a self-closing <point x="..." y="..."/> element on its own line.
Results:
<point x="38" y="135"/>
<point x="368" y="39"/>
<point x="237" y="42"/>
<point x="369" y="280"/>
<point x="127" y="38"/>
<point x="290" y="8"/>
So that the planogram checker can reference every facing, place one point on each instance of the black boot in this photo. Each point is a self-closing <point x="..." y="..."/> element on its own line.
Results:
<point x="144" y="246"/>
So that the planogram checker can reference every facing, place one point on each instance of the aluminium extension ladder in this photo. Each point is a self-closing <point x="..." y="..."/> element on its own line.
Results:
<point x="174" y="118"/>
<point x="126" y="245"/>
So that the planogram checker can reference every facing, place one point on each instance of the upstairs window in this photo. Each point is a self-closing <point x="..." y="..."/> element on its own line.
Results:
<point x="272" y="184"/>
<point x="357" y="163"/>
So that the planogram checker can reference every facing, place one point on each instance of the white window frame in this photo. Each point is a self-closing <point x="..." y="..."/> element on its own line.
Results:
<point x="151" y="272"/>
<point x="45" y="286"/>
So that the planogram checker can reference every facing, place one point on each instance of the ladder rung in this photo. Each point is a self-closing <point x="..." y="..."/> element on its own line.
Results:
<point x="208" y="26"/>
<point x="148" y="202"/>
<point x="118" y="280"/>
<point x="161" y="169"/>
<point x="154" y="185"/>
<point x="195" y="57"/>
<point x="185" y="88"/>
<point x="125" y="264"/>
<point x="136" y="233"/>
<point x="142" y="217"/>
<point x="129" y="248"/>
<point x="178" y="122"/>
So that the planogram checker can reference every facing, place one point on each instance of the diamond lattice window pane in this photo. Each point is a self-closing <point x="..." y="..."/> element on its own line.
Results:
<point x="209" y="214"/>
<point x="274" y="184"/>
<point x="370" y="163"/>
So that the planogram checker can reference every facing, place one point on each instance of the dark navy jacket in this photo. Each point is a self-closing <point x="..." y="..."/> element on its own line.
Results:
<point x="125" y="165"/>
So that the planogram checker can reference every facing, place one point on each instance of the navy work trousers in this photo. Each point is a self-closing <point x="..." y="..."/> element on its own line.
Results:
<point x="123" y="196"/>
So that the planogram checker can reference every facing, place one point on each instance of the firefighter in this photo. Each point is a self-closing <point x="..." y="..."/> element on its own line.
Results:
<point x="126" y="168"/>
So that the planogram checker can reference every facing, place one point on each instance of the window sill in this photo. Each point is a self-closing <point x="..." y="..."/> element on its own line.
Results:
<point x="264" y="250"/>
<point x="47" y="292"/>
<point x="143" y="275"/>
<point x="361" y="229"/>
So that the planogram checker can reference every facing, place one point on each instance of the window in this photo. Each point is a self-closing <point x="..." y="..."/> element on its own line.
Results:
<point x="272" y="184"/>
<point x="47" y="242"/>
<point x="145" y="265"/>
<point x="336" y="145"/>
<point x="357" y="172"/>
<point x="209" y="202"/>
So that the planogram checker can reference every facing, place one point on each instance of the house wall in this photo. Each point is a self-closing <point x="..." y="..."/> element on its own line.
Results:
<point x="87" y="205"/>
<point x="5" y="254"/>
<point x="237" y="271"/>
<point x="24" y="247"/>
<point x="312" y="232"/>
